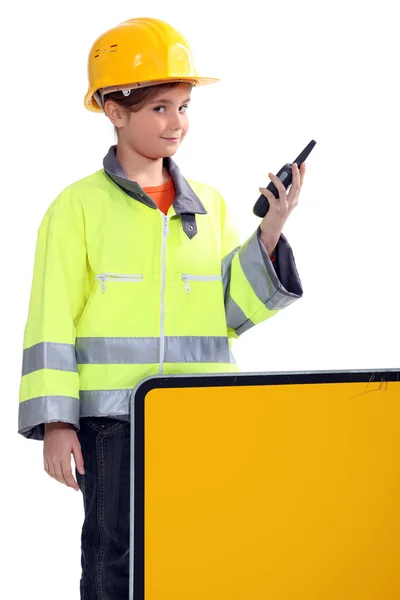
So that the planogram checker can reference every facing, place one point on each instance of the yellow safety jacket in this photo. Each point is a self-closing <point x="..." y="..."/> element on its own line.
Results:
<point x="121" y="291"/>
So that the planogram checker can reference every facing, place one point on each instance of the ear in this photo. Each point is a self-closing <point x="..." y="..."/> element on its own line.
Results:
<point x="117" y="115"/>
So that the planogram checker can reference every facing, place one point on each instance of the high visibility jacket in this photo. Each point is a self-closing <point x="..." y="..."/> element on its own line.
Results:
<point x="121" y="291"/>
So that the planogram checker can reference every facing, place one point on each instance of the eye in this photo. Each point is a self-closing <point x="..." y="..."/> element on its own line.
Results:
<point x="161" y="109"/>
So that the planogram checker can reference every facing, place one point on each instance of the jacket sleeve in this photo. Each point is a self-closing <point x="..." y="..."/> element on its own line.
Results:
<point x="49" y="389"/>
<point x="254" y="288"/>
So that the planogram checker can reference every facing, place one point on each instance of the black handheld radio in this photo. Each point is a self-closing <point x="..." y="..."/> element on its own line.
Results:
<point x="261" y="207"/>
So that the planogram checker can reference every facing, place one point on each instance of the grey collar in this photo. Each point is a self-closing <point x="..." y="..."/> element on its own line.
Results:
<point x="186" y="201"/>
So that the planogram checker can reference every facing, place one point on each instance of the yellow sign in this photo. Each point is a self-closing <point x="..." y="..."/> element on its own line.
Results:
<point x="266" y="487"/>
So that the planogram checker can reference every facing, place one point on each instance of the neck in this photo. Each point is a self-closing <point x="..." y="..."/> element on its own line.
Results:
<point x="147" y="172"/>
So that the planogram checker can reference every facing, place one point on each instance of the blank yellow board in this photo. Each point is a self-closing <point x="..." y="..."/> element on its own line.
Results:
<point x="280" y="492"/>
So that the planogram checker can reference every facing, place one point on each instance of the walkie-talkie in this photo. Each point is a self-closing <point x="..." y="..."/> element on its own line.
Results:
<point x="261" y="207"/>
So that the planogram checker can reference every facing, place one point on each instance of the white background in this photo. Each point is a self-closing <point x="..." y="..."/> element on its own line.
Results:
<point x="291" y="72"/>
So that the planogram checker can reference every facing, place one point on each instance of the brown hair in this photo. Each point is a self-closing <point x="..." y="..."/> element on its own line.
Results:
<point x="139" y="97"/>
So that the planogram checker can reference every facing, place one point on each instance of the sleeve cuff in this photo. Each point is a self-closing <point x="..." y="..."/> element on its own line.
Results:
<point x="282" y="270"/>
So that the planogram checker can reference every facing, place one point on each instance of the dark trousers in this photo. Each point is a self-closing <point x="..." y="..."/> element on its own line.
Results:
<point x="105" y="487"/>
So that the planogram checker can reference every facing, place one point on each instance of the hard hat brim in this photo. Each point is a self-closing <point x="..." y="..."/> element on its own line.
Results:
<point x="92" y="104"/>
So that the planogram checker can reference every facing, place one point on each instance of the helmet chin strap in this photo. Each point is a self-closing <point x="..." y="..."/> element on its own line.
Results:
<point x="98" y="99"/>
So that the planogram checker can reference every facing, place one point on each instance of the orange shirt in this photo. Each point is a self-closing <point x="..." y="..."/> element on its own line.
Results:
<point x="163" y="195"/>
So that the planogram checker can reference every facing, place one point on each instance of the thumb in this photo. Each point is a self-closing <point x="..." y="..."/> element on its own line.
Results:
<point x="78" y="458"/>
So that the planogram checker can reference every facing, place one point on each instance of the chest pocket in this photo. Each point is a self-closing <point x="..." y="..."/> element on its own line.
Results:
<point x="187" y="278"/>
<point x="103" y="277"/>
<point x="122" y="305"/>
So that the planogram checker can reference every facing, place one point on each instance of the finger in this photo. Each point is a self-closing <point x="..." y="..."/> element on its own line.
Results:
<point x="295" y="189"/>
<point x="69" y="479"/>
<point x="295" y="176"/>
<point x="269" y="195"/>
<point x="46" y="465"/>
<point x="51" y="470"/>
<point x="66" y="476"/>
<point x="279" y="186"/>
<point x="302" y="172"/>
<point x="78" y="458"/>
<point x="58" y="473"/>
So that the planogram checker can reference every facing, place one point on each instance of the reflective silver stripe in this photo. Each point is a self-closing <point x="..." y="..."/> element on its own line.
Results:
<point x="130" y="351"/>
<point x="35" y="412"/>
<point x="246" y="325"/>
<point x="255" y="270"/>
<point x="235" y="317"/>
<point x="226" y="268"/>
<point x="49" y="355"/>
<point x="197" y="349"/>
<point x="102" y="403"/>
<point x="262" y="276"/>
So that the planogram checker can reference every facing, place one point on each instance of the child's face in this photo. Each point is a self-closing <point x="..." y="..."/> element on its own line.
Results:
<point x="148" y="130"/>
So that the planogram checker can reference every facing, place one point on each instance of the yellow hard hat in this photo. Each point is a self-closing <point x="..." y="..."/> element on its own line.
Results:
<point x="139" y="53"/>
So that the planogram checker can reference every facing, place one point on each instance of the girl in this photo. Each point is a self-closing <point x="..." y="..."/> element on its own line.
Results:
<point x="138" y="271"/>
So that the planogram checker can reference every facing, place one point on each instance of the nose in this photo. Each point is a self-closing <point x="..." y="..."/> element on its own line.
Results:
<point x="175" y="122"/>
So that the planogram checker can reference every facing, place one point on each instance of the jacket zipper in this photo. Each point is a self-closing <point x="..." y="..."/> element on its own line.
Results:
<point x="187" y="278"/>
<point x="166" y="233"/>
<point x="116" y="277"/>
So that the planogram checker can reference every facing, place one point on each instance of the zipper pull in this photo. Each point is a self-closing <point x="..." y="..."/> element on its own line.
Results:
<point x="167" y="231"/>
<point x="187" y="286"/>
<point x="103" y="283"/>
